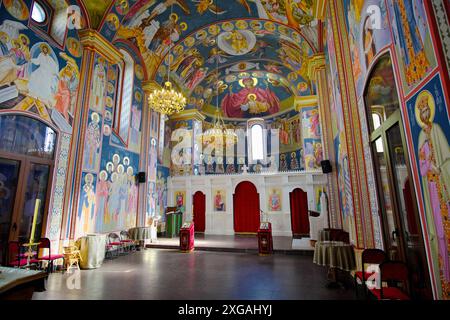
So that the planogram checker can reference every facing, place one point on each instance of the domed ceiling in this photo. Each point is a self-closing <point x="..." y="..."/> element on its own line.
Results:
<point x="249" y="57"/>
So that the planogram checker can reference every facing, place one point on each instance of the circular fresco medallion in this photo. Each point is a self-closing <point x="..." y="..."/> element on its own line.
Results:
<point x="243" y="75"/>
<point x="74" y="47"/>
<point x="109" y="102"/>
<point x="178" y="49"/>
<point x="106" y="130"/>
<point x="189" y="41"/>
<point x="122" y="7"/>
<point x="292" y="76"/>
<point x="269" y="26"/>
<point x="138" y="96"/>
<point x="139" y="71"/>
<point x="112" y="22"/>
<point x="126" y="161"/>
<point x="283" y="30"/>
<point x="110" y="88"/>
<point x="214" y="29"/>
<point x="242" y="24"/>
<point x="109" y="167"/>
<point x="237" y="42"/>
<point x="17" y="8"/>
<point x="111" y="74"/>
<point x="201" y="34"/>
<point x="108" y="115"/>
<point x="227" y="26"/>
<point x="302" y="86"/>
<point x="256" y="25"/>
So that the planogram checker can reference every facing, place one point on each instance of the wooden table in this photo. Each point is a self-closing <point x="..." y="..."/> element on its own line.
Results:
<point x="20" y="284"/>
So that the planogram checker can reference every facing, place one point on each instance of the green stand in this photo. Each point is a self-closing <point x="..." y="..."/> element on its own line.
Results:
<point x="173" y="224"/>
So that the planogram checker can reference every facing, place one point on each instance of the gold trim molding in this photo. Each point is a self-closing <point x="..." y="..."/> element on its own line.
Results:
<point x="306" y="101"/>
<point x="315" y="63"/>
<point x="189" y="114"/>
<point x="92" y="40"/>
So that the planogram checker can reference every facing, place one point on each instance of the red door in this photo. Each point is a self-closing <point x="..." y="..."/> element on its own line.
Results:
<point x="199" y="211"/>
<point x="299" y="212"/>
<point x="246" y="208"/>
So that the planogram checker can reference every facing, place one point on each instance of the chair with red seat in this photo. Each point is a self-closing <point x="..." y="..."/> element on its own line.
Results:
<point x="16" y="255"/>
<point x="392" y="273"/>
<point x="370" y="257"/>
<point x="44" y="243"/>
<point x="114" y="244"/>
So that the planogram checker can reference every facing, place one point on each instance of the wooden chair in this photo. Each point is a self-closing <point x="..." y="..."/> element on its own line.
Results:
<point x="370" y="257"/>
<point x="392" y="273"/>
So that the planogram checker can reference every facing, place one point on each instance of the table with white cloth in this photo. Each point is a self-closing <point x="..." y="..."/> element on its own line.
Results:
<point x="92" y="250"/>
<point x="140" y="234"/>
<point x="336" y="255"/>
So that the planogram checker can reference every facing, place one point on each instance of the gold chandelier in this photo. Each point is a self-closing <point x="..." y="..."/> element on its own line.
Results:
<point x="219" y="131"/>
<point x="166" y="100"/>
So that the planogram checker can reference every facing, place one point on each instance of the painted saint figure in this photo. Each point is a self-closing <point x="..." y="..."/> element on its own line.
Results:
<point x="434" y="160"/>
<point x="42" y="80"/>
<point x="98" y="85"/>
<point x="219" y="205"/>
<point x="101" y="204"/>
<point x="274" y="201"/>
<point x="233" y="103"/>
<point x="93" y="138"/>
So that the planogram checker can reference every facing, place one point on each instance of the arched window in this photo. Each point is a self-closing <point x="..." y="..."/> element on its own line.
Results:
<point x="122" y="113"/>
<point x="256" y="142"/>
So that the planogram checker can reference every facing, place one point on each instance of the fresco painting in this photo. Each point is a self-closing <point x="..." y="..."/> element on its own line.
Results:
<point x="412" y="40"/>
<point x="430" y="128"/>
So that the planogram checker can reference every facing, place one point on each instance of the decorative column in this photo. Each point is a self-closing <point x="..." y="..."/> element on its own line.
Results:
<point x="353" y="136"/>
<point x="93" y="43"/>
<point x="317" y="73"/>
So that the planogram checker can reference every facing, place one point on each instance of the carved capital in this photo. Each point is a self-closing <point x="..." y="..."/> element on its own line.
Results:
<point x="94" y="41"/>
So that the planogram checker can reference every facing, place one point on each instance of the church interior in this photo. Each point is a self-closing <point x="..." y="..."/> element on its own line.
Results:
<point x="299" y="147"/>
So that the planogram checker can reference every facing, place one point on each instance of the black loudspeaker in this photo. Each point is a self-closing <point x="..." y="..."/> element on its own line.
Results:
<point x="326" y="166"/>
<point x="141" y="177"/>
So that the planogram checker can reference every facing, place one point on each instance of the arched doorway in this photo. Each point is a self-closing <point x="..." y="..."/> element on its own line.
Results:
<point x="199" y="211"/>
<point x="396" y="196"/>
<point x="246" y="208"/>
<point x="299" y="212"/>
<point x="27" y="150"/>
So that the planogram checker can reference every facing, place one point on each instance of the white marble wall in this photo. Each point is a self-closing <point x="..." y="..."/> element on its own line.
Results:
<point x="221" y="223"/>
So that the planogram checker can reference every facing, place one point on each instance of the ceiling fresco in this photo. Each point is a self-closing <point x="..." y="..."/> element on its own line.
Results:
<point x="249" y="57"/>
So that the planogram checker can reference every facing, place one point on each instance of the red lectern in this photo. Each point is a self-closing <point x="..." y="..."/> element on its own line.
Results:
<point x="265" y="242"/>
<point x="187" y="237"/>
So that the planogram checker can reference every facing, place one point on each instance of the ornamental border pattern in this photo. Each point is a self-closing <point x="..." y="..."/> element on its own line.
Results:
<point x="443" y="27"/>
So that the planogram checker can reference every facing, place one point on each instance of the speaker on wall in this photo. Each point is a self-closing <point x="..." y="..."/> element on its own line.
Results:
<point x="326" y="166"/>
<point x="141" y="177"/>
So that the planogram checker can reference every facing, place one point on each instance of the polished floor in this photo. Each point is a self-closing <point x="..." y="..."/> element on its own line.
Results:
<point x="236" y="243"/>
<point x="169" y="274"/>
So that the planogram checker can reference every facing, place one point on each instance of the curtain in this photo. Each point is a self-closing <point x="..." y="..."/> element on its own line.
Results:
<point x="299" y="212"/>
<point x="246" y="208"/>
<point x="199" y="212"/>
